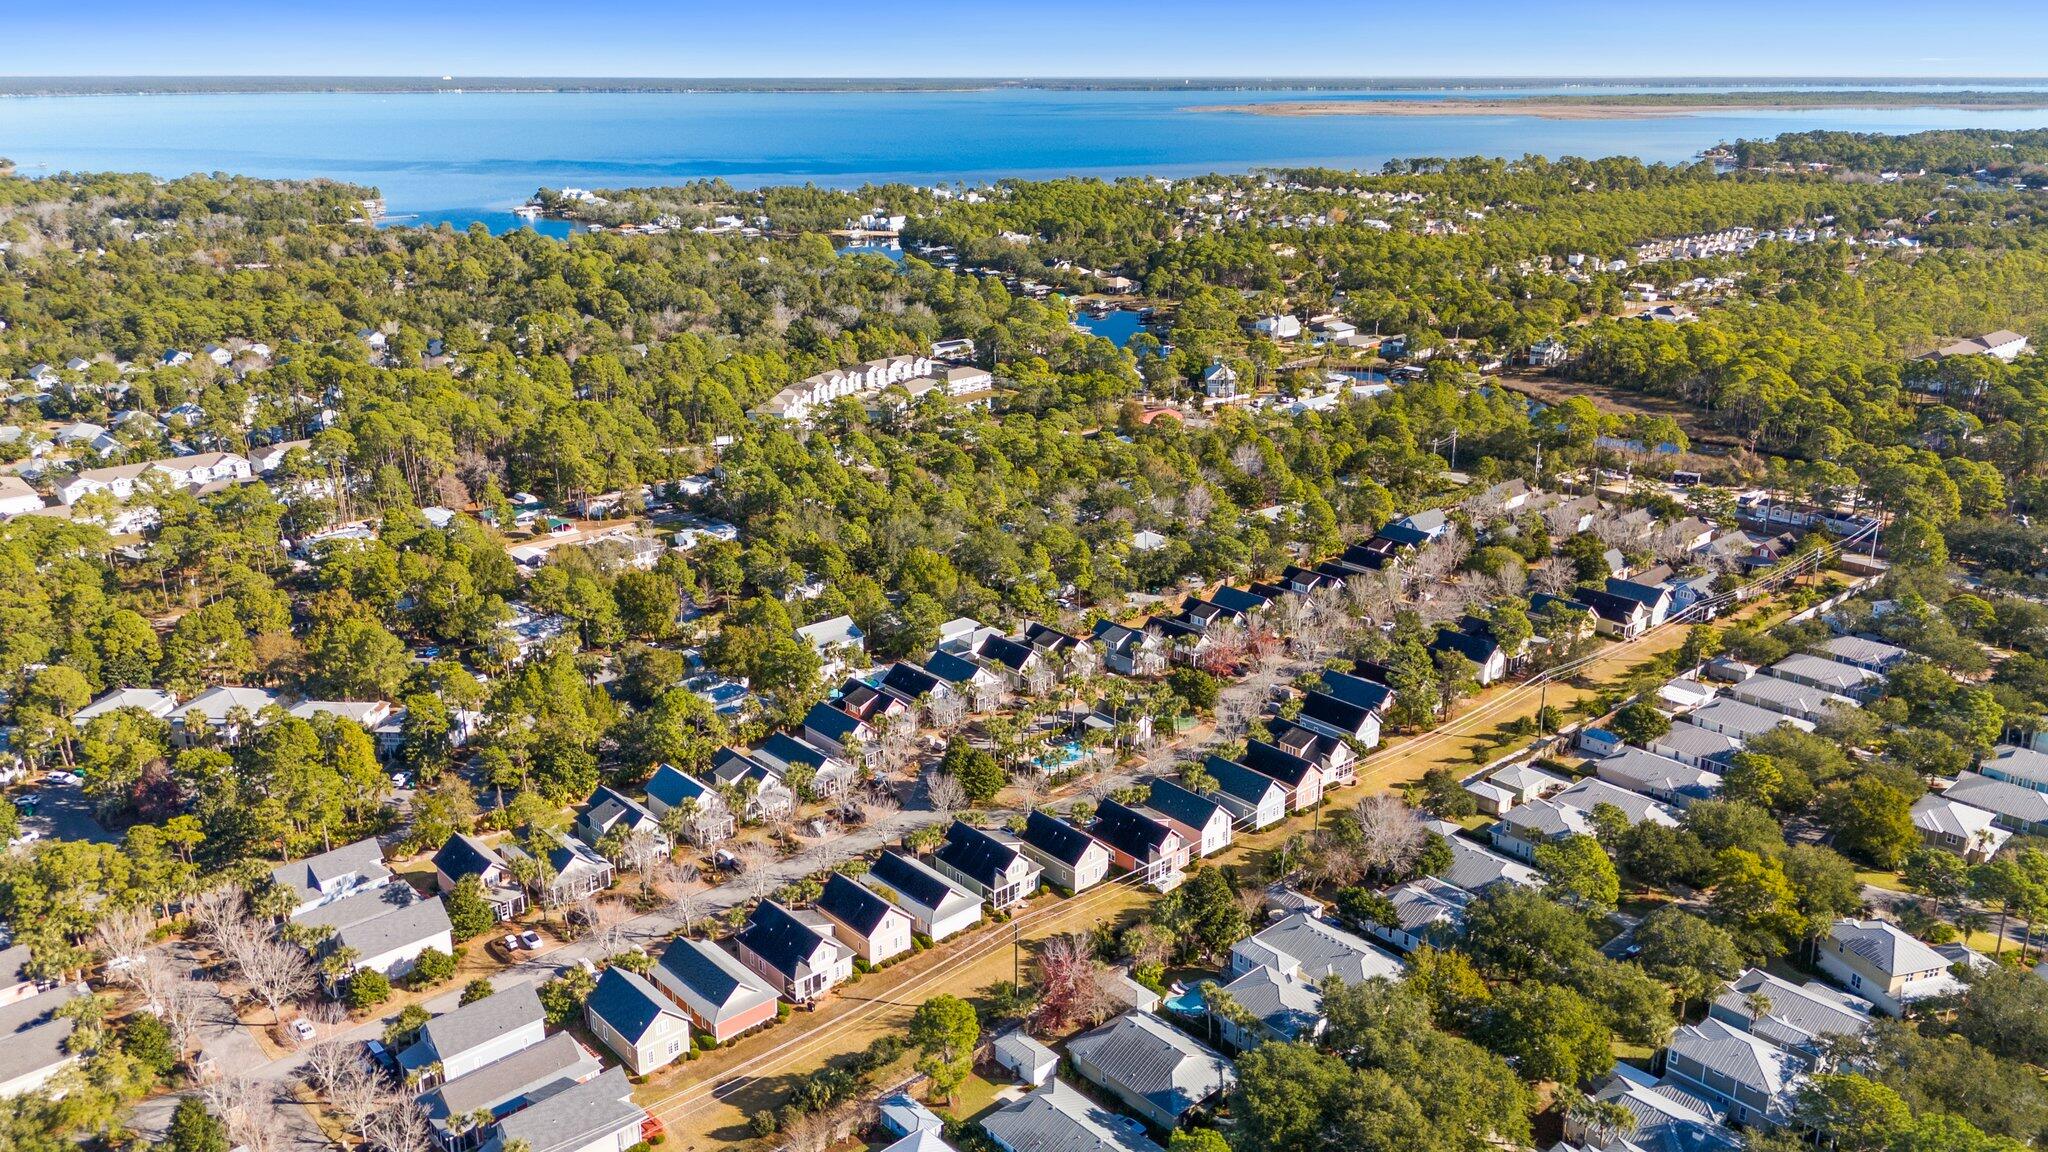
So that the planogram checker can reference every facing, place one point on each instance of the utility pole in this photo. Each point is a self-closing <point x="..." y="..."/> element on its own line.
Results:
<point x="1016" y="953"/>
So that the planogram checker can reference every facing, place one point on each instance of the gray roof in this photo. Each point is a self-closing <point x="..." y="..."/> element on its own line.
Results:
<point x="474" y="1025"/>
<point x="2010" y="800"/>
<point x="1886" y="947"/>
<point x="1016" y="1050"/>
<point x="572" y="1118"/>
<point x="1665" y="1118"/>
<point x="1739" y="718"/>
<point x="35" y="1035"/>
<point x="1289" y="1008"/>
<point x="1476" y="868"/>
<point x="1800" y="1015"/>
<point x="303" y="878"/>
<point x="2020" y="764"/>
<point x="1636" y="769"/>
<point x="1785" y="694"/>
<point x="1696" y="742"/>
<point x="1147" y="1057"/>
<point x="395" y="929"/>
<point x="1745" y="1059"/>
<point x="1587" y="795"/>
<point x="514" y="1080"/>
<point x="1864" y="651"/>
<point x="1318" y="948"/>
<point x="1060" y="1118"/>
<point x="628" y="1003"/>
<point x="352" y="910"/>
<point x="1832" y="674"/>
<point x="1425" y="901"/>
<point x="711" y="980"/>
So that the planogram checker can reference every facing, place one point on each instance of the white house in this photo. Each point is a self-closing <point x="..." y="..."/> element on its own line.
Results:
<point x="16" y="497"/>
<point x="938" y="907"/>
<point x="459" y="1042"/>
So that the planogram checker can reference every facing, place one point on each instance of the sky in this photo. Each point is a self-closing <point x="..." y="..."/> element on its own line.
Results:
<point x="1045" y="38"/>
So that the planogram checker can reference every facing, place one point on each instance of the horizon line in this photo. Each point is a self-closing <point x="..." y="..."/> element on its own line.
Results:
<point x="1589" y="77"/>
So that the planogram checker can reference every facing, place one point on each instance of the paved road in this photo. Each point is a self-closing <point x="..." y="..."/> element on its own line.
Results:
<point x="63" y="813"/>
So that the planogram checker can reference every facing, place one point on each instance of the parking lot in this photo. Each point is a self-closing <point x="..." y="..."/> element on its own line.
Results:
<point x="61" y="811"/>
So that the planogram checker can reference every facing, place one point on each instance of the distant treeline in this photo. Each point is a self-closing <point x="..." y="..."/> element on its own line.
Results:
<point x="1771" y="90"/>
<point x="1956" y="152"/>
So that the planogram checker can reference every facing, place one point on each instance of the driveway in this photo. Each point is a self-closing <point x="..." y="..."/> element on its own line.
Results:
<point x="63" y="813"/>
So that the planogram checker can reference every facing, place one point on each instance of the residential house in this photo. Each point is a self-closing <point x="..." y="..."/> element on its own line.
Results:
<point x="1664" y="1117"/>
<point x="1697" y="746"/>
<point x="671" y="787"/>
<point x="912" y="685"/>
<point x="1140" y="844"/>
<point x="1570" y="813"/>
<point x="16" y="984"/>
<point x="37" y="1033"/>
<point x="1324" y="713"/>
<point x="151" y="701"/>
<point x="1072" y="860"/>
<point x="1476" y="868"/>
<point x="1427" y="910"/>
<point x="1359" y="691"/>
<point x="1059" y="1116"/>
<point x="1151" y="1067"/>
<point x="785" y="754"/>
<point x="1614" y="615"/>
<point x="1021" y="666"/>
<point x="598" y="1115"/>
<point x="1788" y="697"/>
<point x="837" y="732"/>
<point x="574" y="870"/>
<point x="982" y="688"/>
<point x="1972" y="833"/>
<point x="16" y="497"/>
<point x="1876" y="655"/>
<point x="610" y="810"/>
<point x="1489" y="660"/>
<point x="938" y="907"/>
<point x="1309" y="949"/>
<point x="1876" y="960"/>
<point x="1653" y="596"/>
<point x="1741" y="719"/>
<point x="2014" y="807"/>
<point x="1282" y="1008"/>
<point x="1219" y="382"/>
<point x="1799" y="1018"/>
<point x="1130" y="651"/>
<point x="384" y="928"/>
<point x="1302" y="778"/>
<point x="1252" y="797"/>
<point x="838" y="641"/>
<point x="1025" y="1058"/>
<point x="1755" y="1083"/>
<point x="465" y="855"/>
<point x="875" y="929"/>
<point x="1202" y="820"/>
<point x="2014" y="765"/>
<point x="902" y="1114"/>
<point x="224" y="710"/>
<point x="463" y="1112"/>
<point x="994" y="868"/>
<point x="1513" y="784"/>
<point x="799" y="954"/>
<point x="1659" y="777"/>
<point x="1333" y="755"/>
<point x="629" y="1016"/>
<point x="458" y="1042"/>
<point x="723" y="999"/>
<point x="332" y="875"/>
<point x="1834" y="676"/>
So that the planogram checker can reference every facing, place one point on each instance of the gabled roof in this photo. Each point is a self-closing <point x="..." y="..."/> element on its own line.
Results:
<point x="1285" y="767"/>
<point x="1427" y="900"/>
<point x="1061" y="1118"/>
<point x="2014" y="801"/>
<point x="1317" y="948"/>
<point x="830" y="722"/>
<point x="973" y="852"/>
<point x="1831" y="674"/>
<point x="1477" y="649"/>
<point x="1327" y="709"/>
<point x="1179" y="804"/>
<point x="511" y="1082"/>
<point x="711" y="979"/>
<point x="1590" y="793"/>
<point x="954" y="669"/>
<point x="628" y="1003"/>
<point x="2015" y="763"/>
<point x="1288" y="1007"/>
<point x="907" y="679"/>
<point x="1648" y="595"/>
<point x="671" y="786"/>
<point x="1862" y="650"/>
<point x="1745" y="1059"/>
<point x="304" y="878"/>
<point x="1131" y="832"/>
<point x="474" y="1025"/>
<point x="1942" y="816"/>
<point x="1358" y="691"/>
<point x="570" y="1119"/>
<point x="852" y="905"/>
<point x="1800" y="1016"/>
<point x="915" y="882"/>
<point x="1148" y="1058"/>
<point x="1056" y="838"/>
<point x="608" y="807"/>
<point x="1047" y="639"/>
<point x="1886" y="947"/>
<point x="784" y="942"/>
<point x="1476" y="868"/>
<point x="465" y="855"/>
<point x="1608" y="606"/>
<point x="1648" y="772"/>
<point x="789" y="751"/>
<point x="1236" y="780"/>
<point x="1012" y="654"/>
<point x="35" y="1034"/>
<point x="1238" y="600"/>
<point x="1404" y="535"/>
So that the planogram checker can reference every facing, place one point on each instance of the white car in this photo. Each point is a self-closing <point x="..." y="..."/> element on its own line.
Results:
<point x="302" y="1029"/>
<point x="62" y="777"/>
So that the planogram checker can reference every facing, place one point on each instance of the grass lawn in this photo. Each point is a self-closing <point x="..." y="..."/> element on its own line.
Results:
<point x="1889" y="881"/>
<point x="972" y="1099"/>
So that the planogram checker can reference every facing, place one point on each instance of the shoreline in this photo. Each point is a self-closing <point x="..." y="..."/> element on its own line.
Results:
<point x="1550" y="108"/>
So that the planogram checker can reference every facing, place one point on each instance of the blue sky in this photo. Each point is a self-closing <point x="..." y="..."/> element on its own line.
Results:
<point x="874" y="38"/>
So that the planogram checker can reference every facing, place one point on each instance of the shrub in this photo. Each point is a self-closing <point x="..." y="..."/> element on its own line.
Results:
<point x="429" y="968"/>
<point x="706" y="1041"/>
<point x="783" y="1009"/>
<point x="365" y="990"/>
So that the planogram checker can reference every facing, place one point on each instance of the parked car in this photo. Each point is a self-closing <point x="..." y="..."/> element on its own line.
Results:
<point x="529" y="940"/>
<point x="727" y="862"/>
<point x="302" y="1029"/>
<point x="59" y="776"/>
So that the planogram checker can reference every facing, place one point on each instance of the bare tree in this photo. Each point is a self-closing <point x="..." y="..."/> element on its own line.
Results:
<point x="121" y="938"/>
<point x="948" y="711"/>
<point x="247" y="1110"/>
<point x="640" y="850"/>
<point x="400" y="1126"/>
<point x="277" y="974"/>
<point x="945" y="794"/>
<point x="684" y="907"/>
<point x="1391" y="835"/>
<point x="181" y="1005"/>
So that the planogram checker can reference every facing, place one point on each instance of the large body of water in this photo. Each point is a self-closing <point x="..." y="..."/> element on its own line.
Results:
<point x="463" y="156"/>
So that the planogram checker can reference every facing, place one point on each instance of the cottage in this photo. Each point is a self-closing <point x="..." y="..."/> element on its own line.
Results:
<point x="1659" y="777"/>
<point x="1202" y="820"/>
<point x="1615" y="615"/>
<point x="598" y="1115"/>
<point x="834" y="730"/>
<point x="1130" y="651"/>
<point x="671" y="787"/>
<point x="1071" y="859"/>
<point x="1665" y="1117"/>
<point x="1799" y="1018"/>
<point x="1788" y="697"/>
<point x="837" y="641"/>
<point x="875" y="929"/>
<point x="2014" y="807"/>
<point x="1755" y="1083"/>
<point x="1154" y="1069"/>
<point x="1489" y="660"/>
<point x="1140" y="844"/>
<point x="723" y="999"/>
<point x="463" y="855"/>
<point x="938" y="907"/>
<point x="1259" y="801"/>
<point x="150" y="701"/>
<point x="1742" y="719"/>
<point x="1877" y="961"/>
<point x="1025" y="1058"/>
<point x="575" y="870"/>
<point x="1302" y="778"/>
<point x="1475" y="868"/>
<point x="456" y="1043"/>
<point x="1310" y="949"/>
<point x="332" y="875"/>
<point x="784" y="754"/>
<point x="991" y="867"/>
<point x="1570" y="813"/>
<point x="464" y="1111"/>
<point x="2014" y="765"/>
<point x="1283" y="1008"/>
<point x="1696" y="746"/>
<point x="1875" y="655"/>
<point x="1060" y="1116"/>
<point x="796" y="952"/>
<point x="1655" y="597"/>
<point x="1333" y="755"/>
<point x="629" y="1016"/>
<point x="1324" y="713"/>
<point x="37" y="1032"/>
<point x="1427" y="910"/>
<point x="1827" y="675"/>
<point x="1972" y="833"/>
<point x="1513" y="784"/>
<point x="609" y="810"/>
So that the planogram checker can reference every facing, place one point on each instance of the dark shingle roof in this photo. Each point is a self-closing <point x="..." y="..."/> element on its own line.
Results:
<point x="1237" y="780"/>
<point x="918" y="884"/>
<point x="626" y="1002"/>
<point x="1237" y="599"/>
<point x="1357" y="690"/>
<point x="951" y="668"/>
<point x="830" y="722"/>
<point x="1177" y="803"/>
<point x="711" y="973"/>
<point x="853" y="905"/>
<point x="1477" y="649"/>
<point x="909" y="680"/>
<point x="465" y="855"/>
<point x="1327" y="709"/>
<point x="1285" y="767"/>
<point x="784" y="941"/>
<point x="1056" y="838"/>
<point x="972" y="852"/>
<point x="1009" y="653"/>
<point x="1133" y="833"/>
<point x="786" y="749"/>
